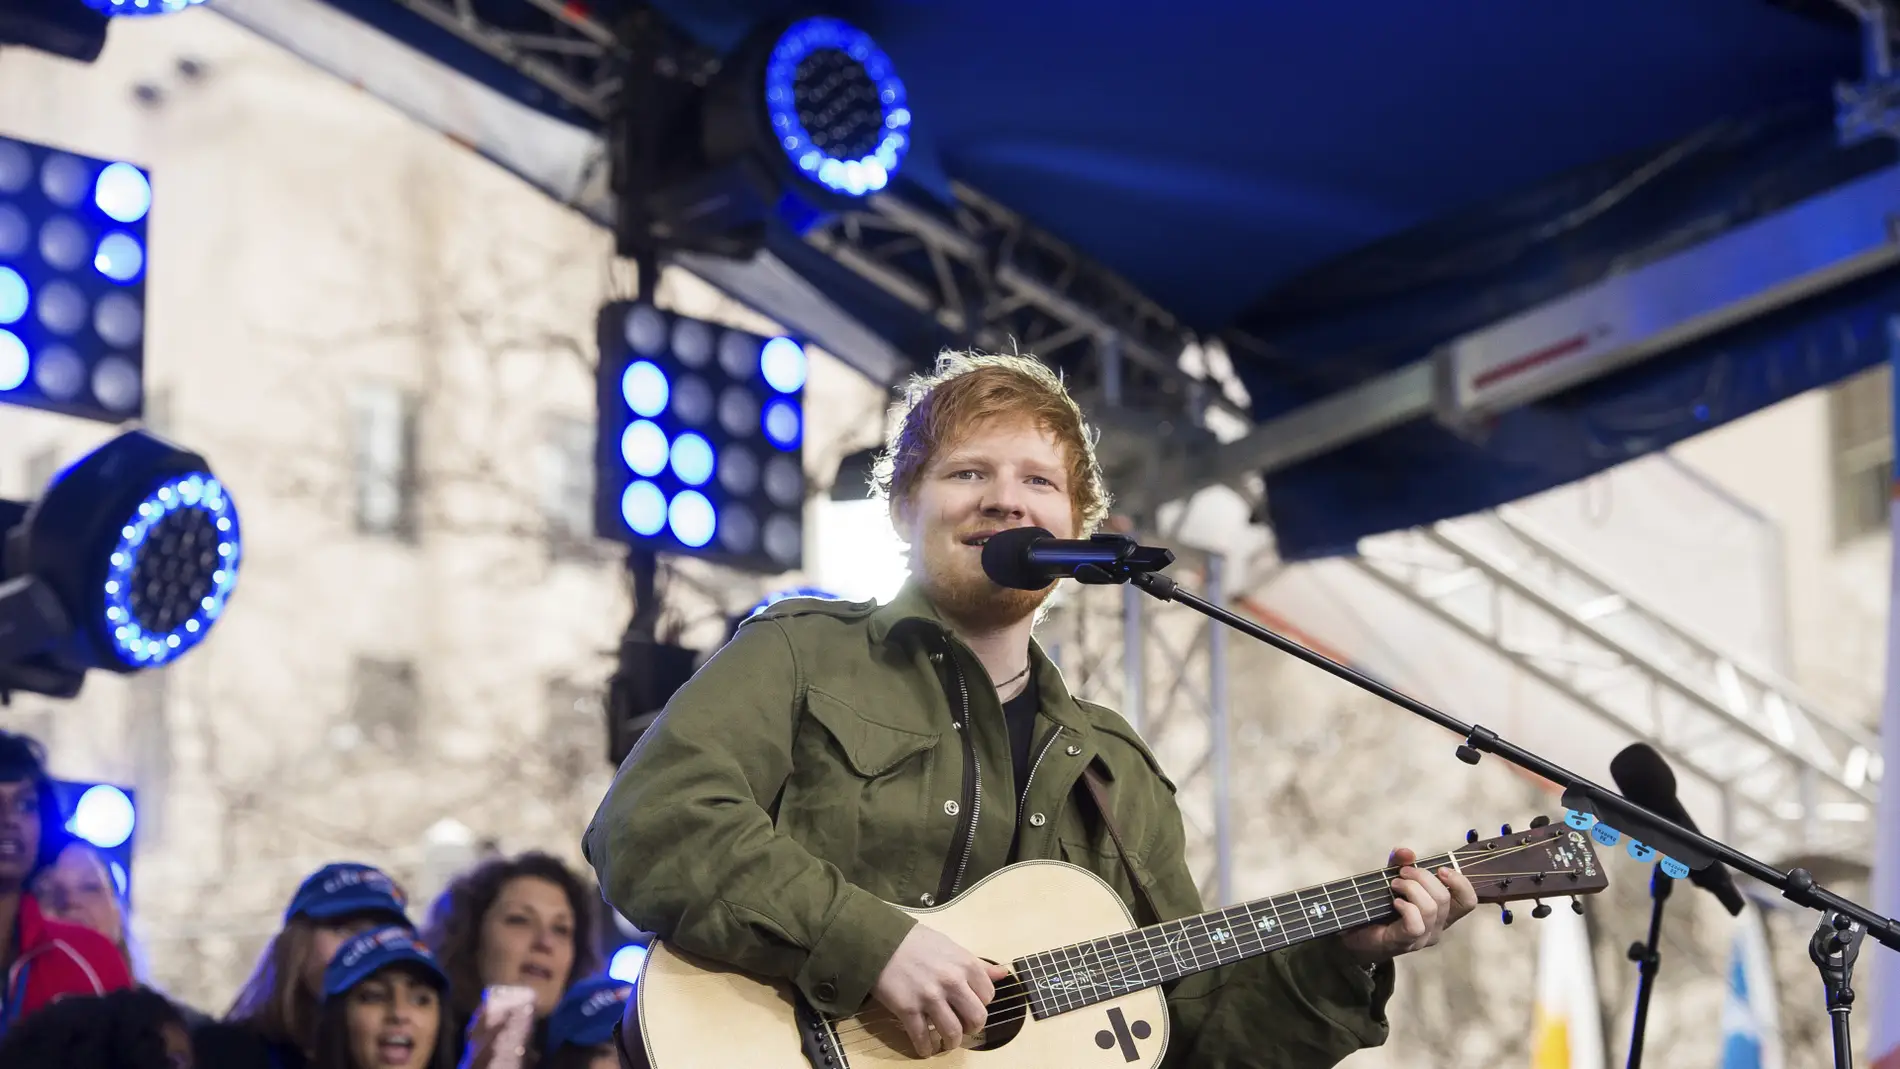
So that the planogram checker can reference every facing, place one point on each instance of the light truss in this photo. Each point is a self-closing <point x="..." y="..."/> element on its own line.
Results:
<point x="986" y="276"/>
<point x="1793" y="780"/>
<point x="569" y="54"/>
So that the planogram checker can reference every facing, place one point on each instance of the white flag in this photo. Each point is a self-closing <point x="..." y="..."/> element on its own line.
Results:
<point x="1566" y="1029"/>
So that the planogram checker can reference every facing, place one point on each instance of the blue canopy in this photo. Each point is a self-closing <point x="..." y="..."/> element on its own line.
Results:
<point x="1337" y="188"/>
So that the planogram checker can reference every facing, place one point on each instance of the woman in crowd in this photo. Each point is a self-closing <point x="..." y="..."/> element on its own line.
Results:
<point x="78" y="888"/>
<point x="382" y="1006"/>
<point x="526" y="921"/>
<point x="272" y="1023"/>
<point x="41" y="959"/>
<point x="580" y="1032"/>
<point x="131" y="1029"/>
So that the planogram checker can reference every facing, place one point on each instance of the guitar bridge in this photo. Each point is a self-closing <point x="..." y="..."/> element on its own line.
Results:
<point x="818" y="1039"/>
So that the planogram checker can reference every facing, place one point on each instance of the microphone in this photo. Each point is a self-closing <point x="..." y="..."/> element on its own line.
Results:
<point x="1030" y="558"/>
<point x="1644" y="778"/>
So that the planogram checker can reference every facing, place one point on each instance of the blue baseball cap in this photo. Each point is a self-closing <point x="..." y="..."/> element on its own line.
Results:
<point x="347" y="887"/>
<point x="587" y="1013"/>
<point x="375" y="950"/>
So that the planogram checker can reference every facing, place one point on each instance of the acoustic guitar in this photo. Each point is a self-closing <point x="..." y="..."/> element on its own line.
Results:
<point x="1085" y="984"/>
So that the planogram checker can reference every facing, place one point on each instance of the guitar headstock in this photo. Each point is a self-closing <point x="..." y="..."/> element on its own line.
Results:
<point x="1544" y="860"/>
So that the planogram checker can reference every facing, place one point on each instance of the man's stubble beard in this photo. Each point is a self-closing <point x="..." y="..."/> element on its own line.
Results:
<point x="969" y="598"/>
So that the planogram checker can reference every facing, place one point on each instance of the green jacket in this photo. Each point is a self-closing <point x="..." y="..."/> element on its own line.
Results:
<point x="814" y="772"/>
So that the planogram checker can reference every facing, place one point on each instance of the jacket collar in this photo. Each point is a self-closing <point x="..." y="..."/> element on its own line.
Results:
<point x="911" y="612"/>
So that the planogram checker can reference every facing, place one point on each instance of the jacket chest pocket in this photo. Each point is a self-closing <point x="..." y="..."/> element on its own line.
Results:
<point x="859" y="794"/>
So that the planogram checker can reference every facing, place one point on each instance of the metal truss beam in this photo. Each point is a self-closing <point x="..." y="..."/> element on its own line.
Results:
<point x="1793" y="779"/>
<point x="572" y="56"/>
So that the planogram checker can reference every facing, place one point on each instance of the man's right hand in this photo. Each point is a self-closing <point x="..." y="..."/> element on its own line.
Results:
<point x="931" y="981"/>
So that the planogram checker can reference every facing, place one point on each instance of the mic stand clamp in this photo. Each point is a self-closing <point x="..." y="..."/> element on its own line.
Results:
<point x="1835" y="945"/>
<point x="1131" y="559"/>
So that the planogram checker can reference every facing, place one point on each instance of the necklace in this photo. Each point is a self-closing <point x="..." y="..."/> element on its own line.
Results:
<point x="1005" y="683"/>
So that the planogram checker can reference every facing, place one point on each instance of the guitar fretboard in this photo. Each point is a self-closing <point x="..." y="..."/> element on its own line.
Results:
<point x="1071" y="977"/>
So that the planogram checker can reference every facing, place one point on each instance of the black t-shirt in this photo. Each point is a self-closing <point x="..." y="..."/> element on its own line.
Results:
<point x="1019" y="713"/>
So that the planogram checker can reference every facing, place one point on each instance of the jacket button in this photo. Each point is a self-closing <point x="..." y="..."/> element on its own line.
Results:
<point x="927" y="898"/>
<point x="951" y="808"/>
<point x="1037" y="820"/>
<point x="1074" y="751"/>
<point x="825" y="991"/>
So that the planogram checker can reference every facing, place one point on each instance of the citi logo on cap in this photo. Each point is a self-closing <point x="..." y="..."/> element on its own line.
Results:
<point x="604" y="998"/>
<point x="365" y="945"/>
<point x="366" y="877"/>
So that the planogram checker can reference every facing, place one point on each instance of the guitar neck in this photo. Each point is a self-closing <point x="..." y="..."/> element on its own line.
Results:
<point x="1082" y="974"/>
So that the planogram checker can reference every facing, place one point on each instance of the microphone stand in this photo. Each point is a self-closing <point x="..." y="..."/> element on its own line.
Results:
<point x="1844" y="922"/>
<point x="1648" y="959"/>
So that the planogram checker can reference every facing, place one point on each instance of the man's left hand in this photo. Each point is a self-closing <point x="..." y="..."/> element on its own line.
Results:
<point x="1427" y="904"/>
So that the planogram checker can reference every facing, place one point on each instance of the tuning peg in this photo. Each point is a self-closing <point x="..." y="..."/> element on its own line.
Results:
<point x="1576" y="905"/>
<point x="1505" y="911"/>
<point x="1541" y="911"/>
<point x="1506" y="830"/>
<point x="1471" y="836"/>
<point x="1539" y="821"/>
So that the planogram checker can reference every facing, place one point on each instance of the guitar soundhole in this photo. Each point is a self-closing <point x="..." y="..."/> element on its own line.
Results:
<point x="1008" y="1010"/>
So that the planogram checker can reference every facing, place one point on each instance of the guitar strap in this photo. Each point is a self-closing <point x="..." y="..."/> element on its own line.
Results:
<point x="1098" y="794"/>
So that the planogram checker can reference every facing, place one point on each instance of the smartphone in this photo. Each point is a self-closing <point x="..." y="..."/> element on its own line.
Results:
<point x="513" y="1007"/>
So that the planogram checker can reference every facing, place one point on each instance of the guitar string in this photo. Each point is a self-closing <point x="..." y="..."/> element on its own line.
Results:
<point x="878" y="1016"/>
<point x="863" y="1038"/>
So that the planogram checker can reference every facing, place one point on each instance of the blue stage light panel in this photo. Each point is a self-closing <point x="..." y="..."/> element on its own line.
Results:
<point x="106" y="816"/>
<point x="73" y="262"/>
<point x="700" y="439"/>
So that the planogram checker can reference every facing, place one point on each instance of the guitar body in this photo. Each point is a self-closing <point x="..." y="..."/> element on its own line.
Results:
<point x="688" y="1013"/>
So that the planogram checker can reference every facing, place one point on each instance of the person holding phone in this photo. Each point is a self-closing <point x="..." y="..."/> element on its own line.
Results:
<point x="382" y="1006"/>
<point x="508" y="924"/>
<point x="580" y="1033"/>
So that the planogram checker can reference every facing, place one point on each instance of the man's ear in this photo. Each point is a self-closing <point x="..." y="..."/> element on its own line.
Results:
<point x="900" y="513"/>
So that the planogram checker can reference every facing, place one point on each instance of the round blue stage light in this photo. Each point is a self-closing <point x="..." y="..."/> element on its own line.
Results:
<point x="120" y="257"/>
<point x="643" y="385"/>
<point x="783" y="363"/>
<point x="173" y="570"/>
<point x="626" y="963"/>
<point x="836" y="106"/>
<point x="644" y="508"/>
<point x="643" y="447"/>
<point x="103" y="816"/>
<point x="692" y="519"/>
<point x="692" y="459"/>
<point x="14" y="362"/>
<point x="783" y="424"/>
<point x="13" y="295"/>
<point x="122" y="192"/>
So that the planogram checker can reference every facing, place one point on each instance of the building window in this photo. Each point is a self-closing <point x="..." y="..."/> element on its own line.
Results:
<point x="1860" y="418"/>
<point x="384" y="703"/>
<point x="567" y="486"/>
<point x="383" y="440"/>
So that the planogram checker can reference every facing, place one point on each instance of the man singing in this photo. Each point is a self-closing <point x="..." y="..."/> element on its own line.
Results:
<point x="835" y="758"/>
